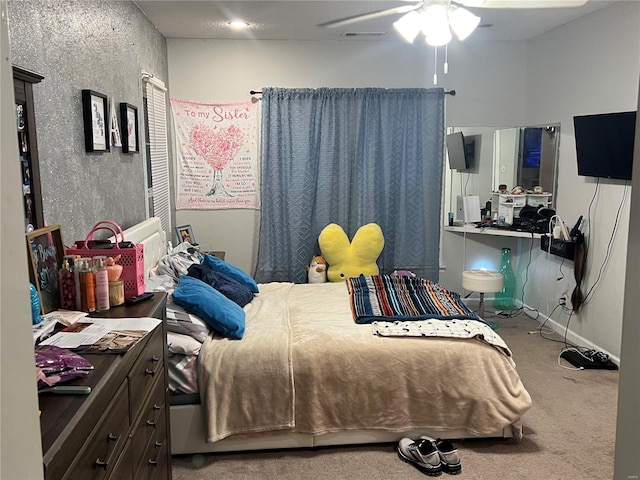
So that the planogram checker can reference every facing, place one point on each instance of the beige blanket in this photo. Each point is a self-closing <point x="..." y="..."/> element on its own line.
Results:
<point x="247" y="385"/>
<point x="304" y="364"/>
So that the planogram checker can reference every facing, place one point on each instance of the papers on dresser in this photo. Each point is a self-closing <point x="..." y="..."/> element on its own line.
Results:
<point x="52" y="319"/>
<point x="108" y="335"/>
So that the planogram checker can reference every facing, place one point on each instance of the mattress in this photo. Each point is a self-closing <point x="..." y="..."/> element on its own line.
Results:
<point x="304" y="365"/>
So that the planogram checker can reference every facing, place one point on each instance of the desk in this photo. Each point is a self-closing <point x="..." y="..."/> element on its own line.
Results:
<point x="471" y="248"/>
<point x="498" y="232"/>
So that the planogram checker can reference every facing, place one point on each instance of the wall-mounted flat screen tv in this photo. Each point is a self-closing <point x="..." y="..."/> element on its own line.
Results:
<point x="457" y="151"/>
<point x="604" y="144"/>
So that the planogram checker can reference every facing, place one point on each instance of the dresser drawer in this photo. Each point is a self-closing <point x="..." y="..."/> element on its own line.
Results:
<point x="152" y="419"/>
<point x="124" y="467"/>
<point x="100" y="452"/>
<point x="147" y="368"/>
<point x="155" y="461"/>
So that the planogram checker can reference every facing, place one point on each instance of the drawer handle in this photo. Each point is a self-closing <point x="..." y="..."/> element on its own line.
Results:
<point x="149" y="372"/>
<point x="112" y="437"/>
<point x="151" y="423"/>
<point x="155" y="358"/>
<point x="101" y="464"/>
<point x="155" y="462"/>
<point x="157" y="407"/>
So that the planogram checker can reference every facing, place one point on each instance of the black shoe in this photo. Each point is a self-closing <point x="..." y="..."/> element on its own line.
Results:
<point x="422" y="454"/>
<point x="448" y="454"/>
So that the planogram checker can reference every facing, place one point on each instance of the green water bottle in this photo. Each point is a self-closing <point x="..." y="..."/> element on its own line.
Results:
<point x="505" y="299"/>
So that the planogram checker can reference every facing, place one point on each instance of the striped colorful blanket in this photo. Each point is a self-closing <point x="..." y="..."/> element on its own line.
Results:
<point x="393" y="297"/>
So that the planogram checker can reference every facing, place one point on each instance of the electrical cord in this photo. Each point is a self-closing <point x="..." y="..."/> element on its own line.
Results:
<point x="561" y="273"/>
<point x="616" y="223"/>
<point x="564" y="366"/>
<point x="585" y="352"/>
<point x="588" y="235"/>
<point x="550" y="331"/>
<point x="516" y="311"/>
<point x="466" y="183"/>
<point x="553" y="332"/>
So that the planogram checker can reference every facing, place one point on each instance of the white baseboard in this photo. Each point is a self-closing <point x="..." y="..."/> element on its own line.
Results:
<point x="571" y="336"/>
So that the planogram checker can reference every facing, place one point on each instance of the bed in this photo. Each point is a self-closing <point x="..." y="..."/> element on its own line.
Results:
<point x="306" y="374"/>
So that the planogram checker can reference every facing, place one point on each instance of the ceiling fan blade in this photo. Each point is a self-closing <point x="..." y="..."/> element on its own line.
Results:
<point x="522" y="3"/>
<point x="369" y="16"/>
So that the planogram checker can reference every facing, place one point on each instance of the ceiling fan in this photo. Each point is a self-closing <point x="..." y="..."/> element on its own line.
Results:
<point x="421" y="5"/>
<point x="438" y="20"/>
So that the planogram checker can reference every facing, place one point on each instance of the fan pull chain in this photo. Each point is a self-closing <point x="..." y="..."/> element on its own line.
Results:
<point x="446" y="59"/>
<point x="435" y="66"/>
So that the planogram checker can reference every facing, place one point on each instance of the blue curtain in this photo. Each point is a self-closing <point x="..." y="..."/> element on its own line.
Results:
<point x="351" y="157"/>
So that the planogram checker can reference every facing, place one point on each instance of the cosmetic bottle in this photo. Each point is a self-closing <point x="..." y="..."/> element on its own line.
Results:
<point x="87" y="286"/>
<point x="67" y="284"/>
<point x="75" y="260"/>
<point x="102" y="283"/>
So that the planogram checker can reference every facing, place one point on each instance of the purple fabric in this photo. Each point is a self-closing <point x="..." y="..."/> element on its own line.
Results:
<point x="60" y="364"/>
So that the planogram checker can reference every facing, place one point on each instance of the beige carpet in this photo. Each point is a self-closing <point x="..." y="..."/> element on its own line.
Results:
<point x="569" y="433"/>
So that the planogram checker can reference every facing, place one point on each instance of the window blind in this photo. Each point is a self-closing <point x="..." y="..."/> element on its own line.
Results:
<point x="157" y="151"/>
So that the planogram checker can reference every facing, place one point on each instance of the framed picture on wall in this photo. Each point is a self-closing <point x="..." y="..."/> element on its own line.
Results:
<point x="46" y="251"/>
<point x="95" y="110"/>
<point x="129" y="127"/>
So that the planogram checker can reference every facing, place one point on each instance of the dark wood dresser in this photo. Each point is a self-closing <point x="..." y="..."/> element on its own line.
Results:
<point x="120" y="431"/>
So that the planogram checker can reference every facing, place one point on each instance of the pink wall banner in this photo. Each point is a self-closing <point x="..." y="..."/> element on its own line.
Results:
<point x="217" y="155"/>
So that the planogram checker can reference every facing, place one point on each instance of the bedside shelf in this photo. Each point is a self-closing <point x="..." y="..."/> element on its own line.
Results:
<point x="216" y="253"/>
<point x="556" y="246"/>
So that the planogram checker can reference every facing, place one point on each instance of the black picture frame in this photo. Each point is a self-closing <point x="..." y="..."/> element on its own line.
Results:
<point x="129" y="128"/>
<point x="46" y="252"/>
<point x="95" y="114"/>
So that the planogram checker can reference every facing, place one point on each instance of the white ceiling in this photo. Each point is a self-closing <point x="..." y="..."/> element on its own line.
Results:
<point x="299" y="19"/>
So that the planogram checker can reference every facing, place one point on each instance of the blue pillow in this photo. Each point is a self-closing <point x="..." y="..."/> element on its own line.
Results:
<point x="234" y="291"/>
<point x="217" y="265"/>
<point x="220" y="313"/>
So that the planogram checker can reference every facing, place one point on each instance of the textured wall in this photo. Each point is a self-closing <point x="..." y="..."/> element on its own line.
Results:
<point x="98" y="45"/>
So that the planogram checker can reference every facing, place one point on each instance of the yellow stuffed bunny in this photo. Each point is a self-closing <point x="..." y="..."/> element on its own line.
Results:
<point x="351" y="259"/>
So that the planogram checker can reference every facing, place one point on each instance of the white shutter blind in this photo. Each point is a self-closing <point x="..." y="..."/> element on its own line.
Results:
<point x="157" y="149"/>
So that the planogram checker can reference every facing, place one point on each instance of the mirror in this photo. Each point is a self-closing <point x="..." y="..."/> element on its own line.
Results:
<point x="526" y="157"/>
<point x="512" y="156"/>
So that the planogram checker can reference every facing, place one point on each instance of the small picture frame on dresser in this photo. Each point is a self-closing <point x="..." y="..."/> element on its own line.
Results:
<point x="46" y="251"/>
<point x="185" y="234"/>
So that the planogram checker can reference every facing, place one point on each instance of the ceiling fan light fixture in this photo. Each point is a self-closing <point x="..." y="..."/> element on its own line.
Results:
<point x="438" y="37"/>
<point x="238" y="24"/>
<point x="408" y="26"/>
<point x="462" y="22"/>
<point x="435" y="25"/>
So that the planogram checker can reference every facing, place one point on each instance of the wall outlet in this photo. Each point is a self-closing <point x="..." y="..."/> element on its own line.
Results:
<point x="565" y="300"/>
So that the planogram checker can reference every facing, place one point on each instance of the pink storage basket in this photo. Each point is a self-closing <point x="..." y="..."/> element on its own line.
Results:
<point x="131" y="258"/>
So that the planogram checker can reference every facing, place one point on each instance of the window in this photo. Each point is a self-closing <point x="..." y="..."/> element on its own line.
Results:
<point x="155" y="118"/>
